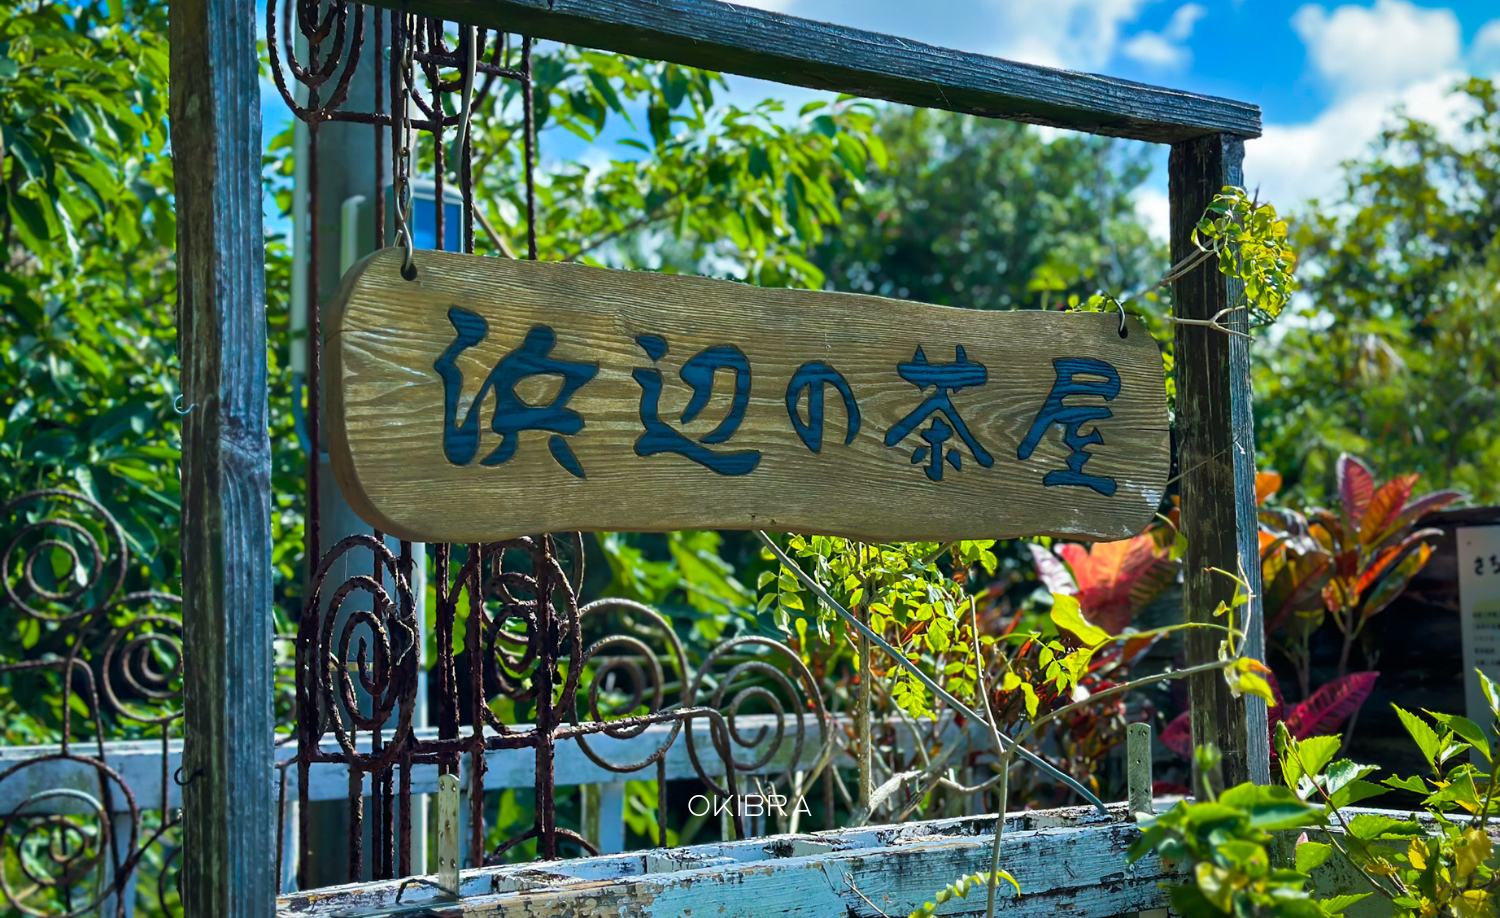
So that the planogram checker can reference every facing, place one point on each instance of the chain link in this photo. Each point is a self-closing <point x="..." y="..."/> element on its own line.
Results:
<point x="401" y="144"/>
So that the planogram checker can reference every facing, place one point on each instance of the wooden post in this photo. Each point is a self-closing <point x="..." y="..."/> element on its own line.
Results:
<point x="448" y="833"/>
<point x="1216" y="456"/>
<point x="1138" y="769"/>
<point x="229" y="811"/>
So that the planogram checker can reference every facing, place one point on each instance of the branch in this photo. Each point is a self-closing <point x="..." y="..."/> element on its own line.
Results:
<point x="489" y="231"/>
<point x="931" y="684"/>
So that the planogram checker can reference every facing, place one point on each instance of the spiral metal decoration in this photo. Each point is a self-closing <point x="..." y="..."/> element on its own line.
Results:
<point x="118" y="657"/>
<point x="141" y="672"/>
<point x="786" y="692"/>
<point x="64" y="555"/>
<point x="609" y="670"/>
<point x="625" y="657"/>
<point x="358" y="666"/>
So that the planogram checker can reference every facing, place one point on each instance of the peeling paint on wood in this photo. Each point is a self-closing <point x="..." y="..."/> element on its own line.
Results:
<point x="1068" y="861"/>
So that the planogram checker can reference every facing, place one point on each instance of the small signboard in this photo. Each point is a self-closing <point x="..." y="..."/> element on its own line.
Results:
<point x="490" y="398"/>
<point x="1479" y="606"/>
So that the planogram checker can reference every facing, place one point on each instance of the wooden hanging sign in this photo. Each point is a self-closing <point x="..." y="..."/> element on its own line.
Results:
<point x="490" y="398"/>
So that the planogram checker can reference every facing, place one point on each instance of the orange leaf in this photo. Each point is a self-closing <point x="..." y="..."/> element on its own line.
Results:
<point x="1115" y="579"/>
<point x="1294" y="586"/>
<point x="1266" y="485"/>
<point x="1394" y="583"/>
<point x="1385" y="507"/>
<point x="1389" y="555"/>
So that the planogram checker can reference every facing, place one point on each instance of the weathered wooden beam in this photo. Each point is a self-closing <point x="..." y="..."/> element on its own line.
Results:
<point x="1066" y="861"/>
<point x="801" y="52"/>
<point x="1216" y="458"/>
<point x="229" y="815"/>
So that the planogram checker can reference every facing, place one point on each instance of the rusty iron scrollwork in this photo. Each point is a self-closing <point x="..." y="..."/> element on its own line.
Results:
<point x="113" y="663"/>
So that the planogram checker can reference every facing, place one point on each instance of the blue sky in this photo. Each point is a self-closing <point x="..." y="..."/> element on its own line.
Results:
<point x="1325" y="75"/>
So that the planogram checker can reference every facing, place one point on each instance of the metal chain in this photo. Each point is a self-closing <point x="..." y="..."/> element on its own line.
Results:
<point x="470" y="42"/>
<point x="401" y="147"/>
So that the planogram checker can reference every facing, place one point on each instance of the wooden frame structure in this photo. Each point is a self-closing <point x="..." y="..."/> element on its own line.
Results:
<point x="230" y="817"/>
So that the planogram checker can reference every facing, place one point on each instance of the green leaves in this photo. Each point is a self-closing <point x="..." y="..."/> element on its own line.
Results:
<point x="1312" y="855"/>
<point x="1300" y="758"/>
<point x="697" y="187"/>
<point x="1441" y="865"/>
<point x="1226" y="843"/>
<point x="1269" y="807"/>
<point x="961" y="888"/>
<point x="87" y="331"/>
<point x="912" y="594"/>
<point x="1067" y="615"/>
<point x="1253" y="247"/>
<point x="1397" y="299"/>
<point x="1425" y="737"/>
<point x="1464" y="728"/>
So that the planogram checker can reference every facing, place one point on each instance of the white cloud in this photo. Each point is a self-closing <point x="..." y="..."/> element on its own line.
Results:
<point x="1167" y="49"/>
<point x="1374" y="60"/>
<point x="1388" y="46"/>
<point x="1078" y="34"/>
<point x="1485" y="51"/>
<point x="1155" y="211"/>
<point x="1293" y="163"/>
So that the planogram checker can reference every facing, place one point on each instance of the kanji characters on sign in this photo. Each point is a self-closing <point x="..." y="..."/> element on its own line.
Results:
<point x="939" y="427"/>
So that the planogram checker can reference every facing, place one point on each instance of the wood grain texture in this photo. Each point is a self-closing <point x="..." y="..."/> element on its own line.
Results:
<point x="387" y="425"/>
<point x="1216" y="451"/>
<point x="229" y="813"/>
<point x="1066" y="862"/>
<point x="801" y="52"/>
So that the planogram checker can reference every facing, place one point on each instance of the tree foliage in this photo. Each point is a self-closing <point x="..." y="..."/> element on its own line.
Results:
<point x="1396" y="356"/>
<point x="989" y="214"/>
<point x="696" y="184"/>
<point x="87" y="234"/>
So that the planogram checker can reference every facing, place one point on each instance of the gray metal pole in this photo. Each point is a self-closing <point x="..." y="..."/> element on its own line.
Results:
<point x="349" y="178"/>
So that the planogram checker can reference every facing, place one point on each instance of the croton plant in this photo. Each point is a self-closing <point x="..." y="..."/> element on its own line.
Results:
<point x="1338" y="568"/>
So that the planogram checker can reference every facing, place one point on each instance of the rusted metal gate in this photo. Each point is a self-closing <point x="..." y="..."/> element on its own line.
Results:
<point x="230" y="793"/>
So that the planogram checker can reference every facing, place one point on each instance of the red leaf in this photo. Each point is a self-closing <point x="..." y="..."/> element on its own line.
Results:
<point x="1178" y="736"/>
<point x="1385" y="508"/>
<point x="1333" y="703"/>
<point x="1116" y="579"/>
<point x="1427" y="503"/>
<point x="1356" y="487"/>
<point x="1388" y="555"/>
